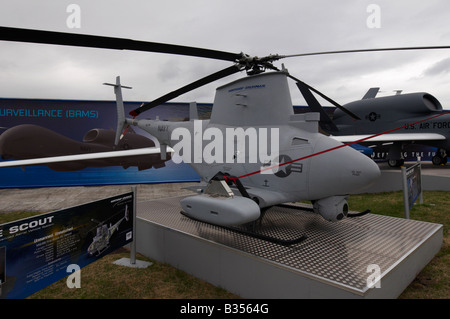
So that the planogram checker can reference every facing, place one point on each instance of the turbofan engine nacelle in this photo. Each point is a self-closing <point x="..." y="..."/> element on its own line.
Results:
<point x="333" y="208"/>
<point x="100" y="136"/>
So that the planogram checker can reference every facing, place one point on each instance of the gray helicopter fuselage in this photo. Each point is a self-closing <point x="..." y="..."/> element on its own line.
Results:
<point x="258" y="104"/>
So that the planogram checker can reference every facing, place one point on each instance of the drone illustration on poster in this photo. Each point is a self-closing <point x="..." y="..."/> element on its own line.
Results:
<point x="101" y="240"/>
<point x="27" y="141"/>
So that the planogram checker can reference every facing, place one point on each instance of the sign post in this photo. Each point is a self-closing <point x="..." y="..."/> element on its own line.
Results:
<point x="131" y="262"/>
<point x="133" y="243"/>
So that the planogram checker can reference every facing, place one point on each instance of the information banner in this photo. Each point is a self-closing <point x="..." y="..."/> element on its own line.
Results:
<point x="60" y="127"/>
<point x="413" y="177"/>
<point x="40" y="250"/>
<point x="412" y="186"/>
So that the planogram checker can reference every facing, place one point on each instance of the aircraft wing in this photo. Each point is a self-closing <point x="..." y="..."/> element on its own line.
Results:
<point x="390" y="137"/>
<point x="80" y="157"/>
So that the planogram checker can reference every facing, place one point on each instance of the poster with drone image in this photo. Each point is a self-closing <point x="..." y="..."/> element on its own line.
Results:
<point x="32" y="128"/>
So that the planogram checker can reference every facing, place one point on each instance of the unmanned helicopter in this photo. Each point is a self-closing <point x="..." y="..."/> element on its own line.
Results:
<point x="300" y="164"/>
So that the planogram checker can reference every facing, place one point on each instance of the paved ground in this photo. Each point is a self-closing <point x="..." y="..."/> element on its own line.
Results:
<point x="51" y="199"/>
<point x="55" y="198"/>
<point x="427" y="168"/>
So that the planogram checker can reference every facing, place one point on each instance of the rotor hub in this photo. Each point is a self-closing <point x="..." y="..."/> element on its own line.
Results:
<point x="256" y="65"/>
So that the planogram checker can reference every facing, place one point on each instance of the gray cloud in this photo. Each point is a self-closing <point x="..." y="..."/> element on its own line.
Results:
<point x="438" y="68"/>
<point x="255" y="27"/>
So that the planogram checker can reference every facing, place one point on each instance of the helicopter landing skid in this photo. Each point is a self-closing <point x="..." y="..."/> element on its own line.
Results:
<point x="255" y="230"/>
<point x="101" y="251"/>
<point x="349" y="215"/>
<point x="269" y="238"/>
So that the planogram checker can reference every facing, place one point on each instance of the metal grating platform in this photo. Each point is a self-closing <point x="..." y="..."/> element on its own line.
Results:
<point x="337" y="254"/>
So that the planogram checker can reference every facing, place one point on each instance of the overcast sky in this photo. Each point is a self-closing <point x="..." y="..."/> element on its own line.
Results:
<point x="256" y="27"/>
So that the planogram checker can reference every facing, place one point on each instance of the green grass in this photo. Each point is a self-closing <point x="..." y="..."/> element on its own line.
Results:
<point x="10" y="217"/>
<point x="104" y="280"/>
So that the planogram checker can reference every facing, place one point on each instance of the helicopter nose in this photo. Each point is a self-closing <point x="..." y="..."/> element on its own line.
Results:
<point x="345" y="169"/>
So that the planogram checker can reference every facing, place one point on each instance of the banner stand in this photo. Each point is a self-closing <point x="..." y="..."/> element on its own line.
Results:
<point x="132" y="262"/>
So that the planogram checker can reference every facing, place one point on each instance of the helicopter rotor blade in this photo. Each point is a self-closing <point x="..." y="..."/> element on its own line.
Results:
<point x="367" y="50"/>
<point x="253" y="65"/>
<point x="325" y="121"/>
<point x="187" y="88"/>
<point x="343" y="109"/>
<point x="303" y="86"/>
<point x="93" y="41"/>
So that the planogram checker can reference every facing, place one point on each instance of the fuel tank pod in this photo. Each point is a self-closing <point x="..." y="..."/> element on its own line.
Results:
<point x="222" y="211"/>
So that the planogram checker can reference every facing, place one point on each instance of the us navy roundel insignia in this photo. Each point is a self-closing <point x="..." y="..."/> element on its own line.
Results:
<point x="286" y="170"/>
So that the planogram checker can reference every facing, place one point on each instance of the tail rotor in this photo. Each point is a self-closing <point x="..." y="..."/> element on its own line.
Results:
<point x="121" y="122"/>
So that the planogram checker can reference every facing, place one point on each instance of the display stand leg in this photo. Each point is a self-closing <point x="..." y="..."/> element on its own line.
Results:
<point x="131" y="262"/>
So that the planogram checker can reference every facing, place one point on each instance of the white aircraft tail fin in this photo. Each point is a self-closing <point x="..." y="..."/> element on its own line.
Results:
<point x="193" y="112"/>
